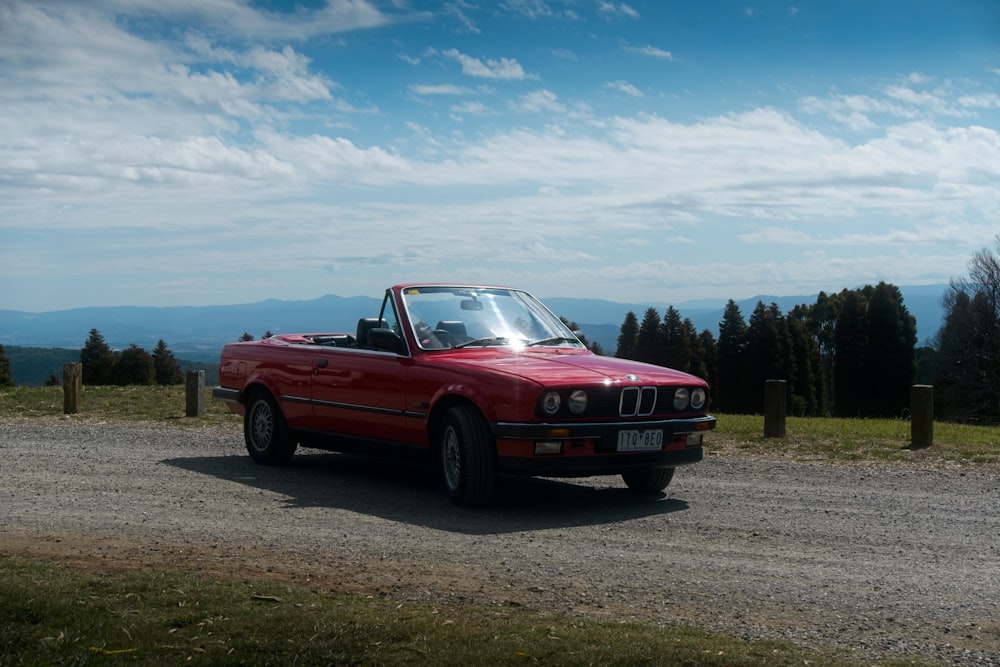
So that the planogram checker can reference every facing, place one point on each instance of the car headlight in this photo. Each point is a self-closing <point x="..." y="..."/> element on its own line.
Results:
<point x="698" y="398"/>
<point x="681" y="398"/>
<point x="578" y="402"/>
<point x="551" y="402"/>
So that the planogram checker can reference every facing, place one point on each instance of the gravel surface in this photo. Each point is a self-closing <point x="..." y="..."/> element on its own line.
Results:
<point x="879" y="560"/>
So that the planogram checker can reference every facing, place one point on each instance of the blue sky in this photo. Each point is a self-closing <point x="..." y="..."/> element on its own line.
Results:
<point x="200" y="152"/>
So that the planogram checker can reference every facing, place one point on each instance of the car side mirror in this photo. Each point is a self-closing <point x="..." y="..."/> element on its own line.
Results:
<point x="386" y="339"/>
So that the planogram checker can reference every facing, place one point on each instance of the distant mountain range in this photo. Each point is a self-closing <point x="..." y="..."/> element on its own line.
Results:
<point x="197" y="333"/>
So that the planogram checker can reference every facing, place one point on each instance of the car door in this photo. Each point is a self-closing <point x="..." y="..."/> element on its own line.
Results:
<point x="360" y="394"/>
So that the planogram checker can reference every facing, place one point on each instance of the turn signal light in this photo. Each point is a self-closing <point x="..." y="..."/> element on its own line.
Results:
<point x="548" y="447"/>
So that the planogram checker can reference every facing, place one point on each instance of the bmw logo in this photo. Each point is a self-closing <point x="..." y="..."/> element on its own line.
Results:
<point x="632" y="378"/>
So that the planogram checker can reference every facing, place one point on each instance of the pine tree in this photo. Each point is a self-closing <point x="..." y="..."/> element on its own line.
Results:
<point x="967" y="364"/>
<point x="675" y="346"/>
<point x="953" y="372"/>
<point x="807" y="392"/>
<point x="693" y="342"/>
<point x="6" y="373"/>
<point x="167" y="370"/>
<point x="135" y="367"/>
<point x="731" y="347"/>
<point x="821" y="320"/>
<point x="99" y="361"/>
<point x="711" y="359"/>
<point x="767" y="355"/>
<point x="985" y="398"/>
<point x="890" y="362"/>
<point x="647" y="343"/>
<point x="850" y="344"/>
<point x="627" y="336"/>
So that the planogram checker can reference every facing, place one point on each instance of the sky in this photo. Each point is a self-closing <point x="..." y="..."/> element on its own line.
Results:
<point x="208" y="152"/>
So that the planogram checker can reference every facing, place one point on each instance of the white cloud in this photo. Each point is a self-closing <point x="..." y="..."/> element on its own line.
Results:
<point x="617" y="9"/>
<point x="506" y="69"/>
<point x="438" y="89"/>
<point x="927" y="235"/>
<point x="624" y="87"/>
<point x="651" y="51"/>
<point x="469" y="109"/>
<point x="901" y="100"/>
<point x="539" y="9"/>
<point x="540" y="101"/>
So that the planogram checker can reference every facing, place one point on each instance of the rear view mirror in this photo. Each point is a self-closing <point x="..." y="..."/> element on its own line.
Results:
<point x="472" y="304"/>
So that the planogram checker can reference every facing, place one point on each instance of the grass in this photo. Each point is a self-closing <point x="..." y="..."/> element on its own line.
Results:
<point x="56" y="616"/>
<point x="165" y="405"/>
<point x="845" y="440"/>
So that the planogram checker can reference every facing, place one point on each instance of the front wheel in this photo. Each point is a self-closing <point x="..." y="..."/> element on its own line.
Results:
<point x="467" y="456"/>
<point x="648" y="481"/>
<point x="265" y="431"/>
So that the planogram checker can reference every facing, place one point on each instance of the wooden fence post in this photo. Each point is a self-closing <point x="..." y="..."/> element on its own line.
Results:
<point x="72" y="388"/>
<point x="195" y="394"/>
<point x="921" y="416"/>
<point x="775" y="404"/>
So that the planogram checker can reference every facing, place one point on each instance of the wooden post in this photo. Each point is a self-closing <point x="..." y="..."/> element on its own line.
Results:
<point x="775" y="403"/>
<point x="195" y="394"/>
<point x="72" y="388"/>
<point x="921" y="416"/>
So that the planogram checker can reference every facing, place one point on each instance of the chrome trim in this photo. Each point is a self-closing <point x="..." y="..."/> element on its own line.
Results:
<point x="369" y="408"/>
<point x="576" y="430"/>
<point x="641" y="396"/>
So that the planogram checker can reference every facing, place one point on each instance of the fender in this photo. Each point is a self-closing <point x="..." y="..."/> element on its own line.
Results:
<point x="491" y="407"/>
<point x="258" y="379"/>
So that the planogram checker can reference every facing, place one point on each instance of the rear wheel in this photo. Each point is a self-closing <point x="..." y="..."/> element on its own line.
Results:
<point x="467" y="456"/>
<point x="265" y="431"/>
<point x="648" y="481"/>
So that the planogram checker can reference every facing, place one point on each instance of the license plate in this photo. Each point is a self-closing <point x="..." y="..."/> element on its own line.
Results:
<point x="640" y="441"/>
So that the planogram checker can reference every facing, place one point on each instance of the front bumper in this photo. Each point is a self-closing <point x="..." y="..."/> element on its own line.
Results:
<point x="604" y="431"/>
<point x="591" y="448"/>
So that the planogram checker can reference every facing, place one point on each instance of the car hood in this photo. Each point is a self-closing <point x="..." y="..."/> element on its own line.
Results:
<point x="554" y="367"/>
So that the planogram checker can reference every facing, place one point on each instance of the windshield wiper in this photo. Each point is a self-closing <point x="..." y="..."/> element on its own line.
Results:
<point x="482" y="341"/>
<point x="554" y="339"/>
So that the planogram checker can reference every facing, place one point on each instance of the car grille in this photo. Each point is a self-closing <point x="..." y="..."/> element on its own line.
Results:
<point x="637" y="401"/>
<point x="630" y="402"/>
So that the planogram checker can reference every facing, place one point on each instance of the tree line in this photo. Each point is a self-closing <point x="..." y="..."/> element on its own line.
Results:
<point x="849" y="354"/>
<point x="104" y="366"/>
<point x="131" y="366"/>
<point x="966" y="350"/>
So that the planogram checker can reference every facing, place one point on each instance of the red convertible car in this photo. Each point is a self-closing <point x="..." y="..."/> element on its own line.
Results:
<point x="484" y="380"/>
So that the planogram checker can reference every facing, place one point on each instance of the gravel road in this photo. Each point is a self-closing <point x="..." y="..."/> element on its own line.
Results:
<point x="880" y="560"/>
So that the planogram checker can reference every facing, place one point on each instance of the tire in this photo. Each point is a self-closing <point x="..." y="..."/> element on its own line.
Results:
<point x="648" y="481"/>
<point x="265" y="431"/>
<point x="467" y="455"/>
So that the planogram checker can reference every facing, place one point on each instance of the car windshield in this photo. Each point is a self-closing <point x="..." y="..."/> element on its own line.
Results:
<point x="452" y="317"/>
